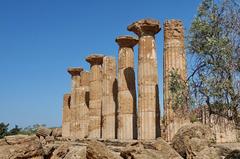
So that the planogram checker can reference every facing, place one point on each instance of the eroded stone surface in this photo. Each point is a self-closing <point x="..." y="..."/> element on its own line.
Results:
<point x="66" y="119"/>
<point x="126" y="41"/>
<point x="127" y="117"/>
<point x="145" y="27"/>
<point x="174" y="59"/>
<point x="149" y="150"/>
<point x="192" y="139"/>
<point x="148" y="102"/>
<point x="75" y="71"/>
<point x="95" y="59"/>
<point x="95" y="96"/>
<point x="96" y="150"/>
<point x="109" y="98"/>
<point x="21" y="146"/>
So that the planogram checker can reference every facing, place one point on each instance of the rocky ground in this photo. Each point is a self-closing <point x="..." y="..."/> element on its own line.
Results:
<point x="191" y="142"/>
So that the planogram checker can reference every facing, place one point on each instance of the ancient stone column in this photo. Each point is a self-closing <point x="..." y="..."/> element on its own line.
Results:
<point x="174" y="58"/>
<point x="109" y="99"/>
<point x="82" y="105"/>
<point x="75" y="125"/>
<point x="66" y="118"/>
<point x="127" y="115"/>
<point x="148" y="99"/>
<point x="95" y="96"/>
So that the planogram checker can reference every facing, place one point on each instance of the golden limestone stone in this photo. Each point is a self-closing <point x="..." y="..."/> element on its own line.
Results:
<point x="109" y="97"/>
<point x="148" y="108"/>
<point x="127" y="124"/>
<point x="174" y="58"/>
<point x="95" y="96"/>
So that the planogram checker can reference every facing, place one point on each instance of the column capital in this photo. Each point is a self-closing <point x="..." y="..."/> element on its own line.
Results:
<point x="95" y="59"/>
<point x="75" y="71"/>
<point x="173" y="29"/>
<point x="126" y="41"/>
<point x="145" y="27"/>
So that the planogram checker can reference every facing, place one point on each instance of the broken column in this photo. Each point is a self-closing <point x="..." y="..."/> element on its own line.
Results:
<point x="148" y="99"/>
<point x="174" y="59"/>
<point x="75" y="125"/>
<point x="109" y="97"/>
<point x="66" y="119"/>
<point x="127" y="117"/>
<point x="95" y="96"/>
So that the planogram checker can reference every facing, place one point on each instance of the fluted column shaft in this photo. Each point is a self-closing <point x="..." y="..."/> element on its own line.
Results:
<point x="174" y="59"/>
<point x="127" y="116"/>
<point x="109" y="99"/>
<point x="95" y="96"/>
<point x="82" y="105"/>
<point x="148" y="99"/>
<point x="74" y="106"/>
<point x="66" y="119"/>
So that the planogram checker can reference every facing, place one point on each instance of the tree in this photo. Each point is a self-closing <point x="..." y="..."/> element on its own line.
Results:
<point x="179" y="93"/>
<point x="14" y="131"/>
<point x="214" y="42"/>
<point x="3" y="130"/>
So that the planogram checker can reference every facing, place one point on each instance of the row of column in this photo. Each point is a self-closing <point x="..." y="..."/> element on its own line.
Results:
<point x="106" y="105"/>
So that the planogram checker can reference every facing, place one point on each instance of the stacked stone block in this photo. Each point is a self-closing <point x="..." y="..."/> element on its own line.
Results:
<point x="66" y="115"/>
<point x="109" y="97"/>
<point x="83" y="117"/>
<point x="127" y="112"/>
<point x="148" y="99"/>
<point x="174" y="58"/>
<point x="74" y="105"/>
<point x="95" y="96"/>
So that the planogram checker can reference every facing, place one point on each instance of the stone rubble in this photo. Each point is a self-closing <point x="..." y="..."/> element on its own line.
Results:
<point x="195" y="141"/>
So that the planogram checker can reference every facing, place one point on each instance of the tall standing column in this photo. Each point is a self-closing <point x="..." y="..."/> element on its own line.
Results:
<point x="109" y="99"/>
<point x="66" y="118"/>
<point x="174" y="58"/>
<point x="95" y="100"/>
<point x="74" y="125"/>
<point x="82" y="105"/>
<point x="127" y="115"/>
<point x="148" y="99"/>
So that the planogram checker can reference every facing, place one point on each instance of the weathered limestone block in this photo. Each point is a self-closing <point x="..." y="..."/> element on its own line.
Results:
<point x="66" y="119"/>
<point x="21" y="146"/>
<point x="76" y="152"/>
<point x="75" y="100"/>
<point x="109" y="99"/>
<point x="127" y="124"/>
<point x="174" y="58"/>
<point x="158" y="149"/>
<point x="44" y="132"/>
<point x="96" y="150"/>
<point x="83" y="117"/>
<point x="95" y="95"/>
<point x="193" y="138"/>
<point x="81" y="106"/>
<point x="148" y="107"/>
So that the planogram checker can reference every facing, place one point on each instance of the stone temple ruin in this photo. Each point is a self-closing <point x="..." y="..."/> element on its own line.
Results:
<point x="103" y="102"/>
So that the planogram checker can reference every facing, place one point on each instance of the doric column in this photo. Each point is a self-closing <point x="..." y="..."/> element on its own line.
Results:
<point x="174" y="58"/>
<point x="127" y="117"/>
<point x="148" y="99"/>
<point x="95" y="96"/>
<point x="74" y="105"/>
<point x="83" y="101"/>
<point x="109" y="99"/>
<point x="66" y="118"/>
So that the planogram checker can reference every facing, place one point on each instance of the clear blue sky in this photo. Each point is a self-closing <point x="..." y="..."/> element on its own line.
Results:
<point x="40" y="39"/>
